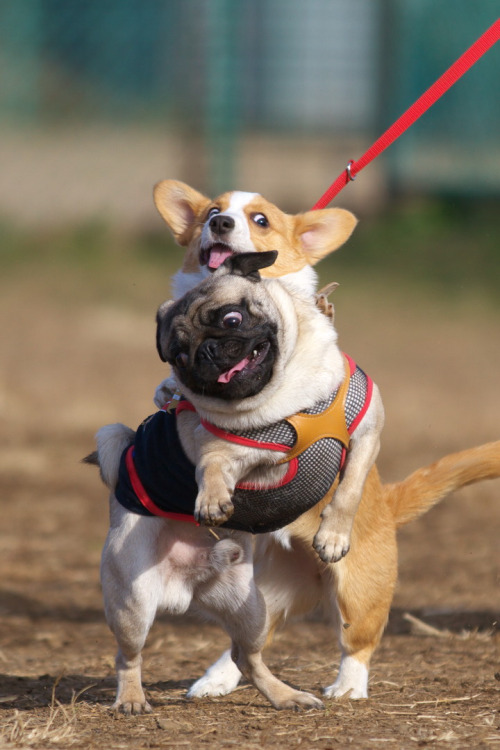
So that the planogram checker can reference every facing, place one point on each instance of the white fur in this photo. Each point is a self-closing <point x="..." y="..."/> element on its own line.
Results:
<point x="352" y="680"/>
<point x="220" y="679"/>
<point x="305" y="280"/>
<point x="240" y="236"/>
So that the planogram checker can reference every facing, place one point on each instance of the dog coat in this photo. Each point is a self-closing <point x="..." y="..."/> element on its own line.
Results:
<point x="157" y="479"/>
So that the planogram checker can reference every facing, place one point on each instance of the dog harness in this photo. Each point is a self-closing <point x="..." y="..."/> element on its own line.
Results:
<point x="157" y="479"/>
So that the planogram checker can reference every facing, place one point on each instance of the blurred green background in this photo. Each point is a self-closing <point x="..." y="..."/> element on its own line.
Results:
<point x="100" y="99"/>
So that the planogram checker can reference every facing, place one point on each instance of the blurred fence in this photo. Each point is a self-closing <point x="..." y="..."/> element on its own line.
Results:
<point x="101" y="98"/>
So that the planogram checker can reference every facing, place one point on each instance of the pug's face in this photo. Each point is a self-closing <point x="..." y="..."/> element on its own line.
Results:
<point x="221" y="338"/>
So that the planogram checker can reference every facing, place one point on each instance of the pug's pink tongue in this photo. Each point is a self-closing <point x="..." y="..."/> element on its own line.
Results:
<point x="217" y="258"/>
<point x="225" y="377"/>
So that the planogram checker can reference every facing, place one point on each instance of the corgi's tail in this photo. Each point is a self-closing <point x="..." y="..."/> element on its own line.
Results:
<point x="424" y="488"/>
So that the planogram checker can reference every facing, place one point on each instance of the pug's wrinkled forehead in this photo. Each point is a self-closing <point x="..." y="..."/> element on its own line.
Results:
<point x="231" y="285"/>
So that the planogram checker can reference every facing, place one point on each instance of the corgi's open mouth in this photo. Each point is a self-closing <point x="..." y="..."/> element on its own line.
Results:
<point x="214" y="255"/>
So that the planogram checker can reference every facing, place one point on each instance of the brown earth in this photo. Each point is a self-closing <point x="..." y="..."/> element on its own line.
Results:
<point x="71" y="361"/>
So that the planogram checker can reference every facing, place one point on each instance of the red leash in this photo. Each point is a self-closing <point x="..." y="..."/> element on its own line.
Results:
<point x="446" y="81"/>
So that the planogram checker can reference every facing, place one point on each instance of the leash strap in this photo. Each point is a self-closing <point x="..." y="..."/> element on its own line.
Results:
<point x="428" y="98"/>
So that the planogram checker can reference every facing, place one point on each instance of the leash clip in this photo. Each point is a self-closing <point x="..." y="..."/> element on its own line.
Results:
<point x="350" y="177"/>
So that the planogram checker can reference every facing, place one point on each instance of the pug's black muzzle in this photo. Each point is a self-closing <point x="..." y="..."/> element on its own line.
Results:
<point x="231" y="367"/>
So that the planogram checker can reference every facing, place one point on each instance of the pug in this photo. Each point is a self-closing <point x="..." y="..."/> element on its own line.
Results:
<point x="271" y="411"/>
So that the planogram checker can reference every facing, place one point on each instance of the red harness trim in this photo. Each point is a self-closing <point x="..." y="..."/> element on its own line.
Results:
<point x="423" y="103"/>
<point x="293" y="465"/>
<point x="144" y="497"/>
<point x="291" y="472"/>
<point x="230" y="437"/>
<point x="368" y="398"/>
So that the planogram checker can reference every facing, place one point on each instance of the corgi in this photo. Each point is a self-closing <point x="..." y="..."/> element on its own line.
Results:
<point x="241" y="222"/>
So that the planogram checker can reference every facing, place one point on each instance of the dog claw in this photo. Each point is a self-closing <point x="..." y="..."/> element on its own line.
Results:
<point x="130" y="708"/>
<point x="214" y="515"/>
<point x="299" y="701"/>
<point x="330" y="552"/>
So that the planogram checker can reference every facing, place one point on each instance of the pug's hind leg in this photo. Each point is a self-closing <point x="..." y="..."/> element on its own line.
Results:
<point x="242" y="612"/>
<point x="130" y="585"/>
<point x="130" y="630"/>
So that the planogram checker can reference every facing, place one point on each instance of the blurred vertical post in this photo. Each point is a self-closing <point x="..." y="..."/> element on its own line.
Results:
<point x="222" y="121"/>
<point x="20" y="42"/>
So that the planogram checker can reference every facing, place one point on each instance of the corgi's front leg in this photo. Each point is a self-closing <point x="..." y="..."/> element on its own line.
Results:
<point x="332" y="540"/>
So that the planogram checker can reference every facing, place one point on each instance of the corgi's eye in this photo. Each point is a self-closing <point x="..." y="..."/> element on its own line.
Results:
<point x="214" y="210"/>
<point x="232" y="319"/>
<point x="260" y="219"/>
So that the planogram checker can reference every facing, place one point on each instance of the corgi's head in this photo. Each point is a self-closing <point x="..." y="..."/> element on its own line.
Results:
<point x="239" y="222"/>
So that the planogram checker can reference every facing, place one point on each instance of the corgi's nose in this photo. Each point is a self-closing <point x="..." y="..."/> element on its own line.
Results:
<point x="221" y="224"/>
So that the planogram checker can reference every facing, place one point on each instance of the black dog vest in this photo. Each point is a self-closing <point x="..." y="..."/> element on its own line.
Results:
<point x="157" y="479"/>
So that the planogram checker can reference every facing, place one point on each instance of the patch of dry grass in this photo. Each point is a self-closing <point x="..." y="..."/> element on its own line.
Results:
<point x="58" y="728"/>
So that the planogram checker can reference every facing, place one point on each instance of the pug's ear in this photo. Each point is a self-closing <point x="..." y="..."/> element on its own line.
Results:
<point x="163" y="321"/>
<point x="249" y="264"/>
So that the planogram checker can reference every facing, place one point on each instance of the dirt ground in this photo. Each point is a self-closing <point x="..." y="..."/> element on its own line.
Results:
<point x="71" y="364"/>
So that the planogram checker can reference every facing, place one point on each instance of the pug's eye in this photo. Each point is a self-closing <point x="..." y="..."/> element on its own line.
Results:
<point x="260" y="219"/>
<point x="214" y="210"/>
<point x="232" y="319"/>
<point x="181" y="359"/>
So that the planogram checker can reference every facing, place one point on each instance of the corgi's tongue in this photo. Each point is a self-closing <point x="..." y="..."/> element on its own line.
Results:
<point x="225" y="377"/>
<point x="217" y="256"/>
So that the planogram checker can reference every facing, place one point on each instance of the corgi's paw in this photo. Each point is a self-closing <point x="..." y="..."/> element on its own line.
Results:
<point x="220" y="679"/>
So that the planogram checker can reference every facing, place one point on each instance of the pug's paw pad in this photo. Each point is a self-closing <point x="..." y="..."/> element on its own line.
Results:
<point x="330" y="546"/>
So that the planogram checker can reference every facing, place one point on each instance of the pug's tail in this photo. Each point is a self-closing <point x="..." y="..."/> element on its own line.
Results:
<point x="112" y="439"/>
<point x="424" y="488"/>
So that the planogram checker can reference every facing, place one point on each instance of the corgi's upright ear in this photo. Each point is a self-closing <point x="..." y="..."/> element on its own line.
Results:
<point x="182" y="208"/>
<point x="321" y="232"/>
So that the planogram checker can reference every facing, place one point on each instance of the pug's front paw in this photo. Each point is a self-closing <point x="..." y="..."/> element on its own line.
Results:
<point x="210" y="511"/>
<point x="331" y="546"/>
<point x="164" y="392"/>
